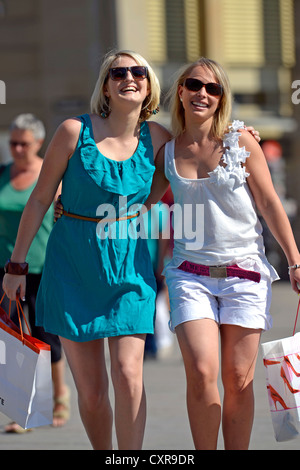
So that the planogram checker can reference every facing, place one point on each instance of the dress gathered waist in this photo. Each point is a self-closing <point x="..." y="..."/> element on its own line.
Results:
<point x="99" y="219"/>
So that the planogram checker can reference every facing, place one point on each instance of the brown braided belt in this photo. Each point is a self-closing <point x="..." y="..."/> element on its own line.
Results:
<point x="99" y="219"/>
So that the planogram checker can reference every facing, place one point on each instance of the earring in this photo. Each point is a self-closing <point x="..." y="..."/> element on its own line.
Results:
<point x="105" y="111"/>
<point x="154" y="111"/>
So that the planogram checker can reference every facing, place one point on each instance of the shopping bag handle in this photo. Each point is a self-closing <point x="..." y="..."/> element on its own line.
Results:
<point x="296" y="317"/>
<point x="19" y="309"/>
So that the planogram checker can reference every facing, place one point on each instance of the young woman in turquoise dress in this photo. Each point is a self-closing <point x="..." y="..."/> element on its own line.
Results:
<point x="97" y="285"/>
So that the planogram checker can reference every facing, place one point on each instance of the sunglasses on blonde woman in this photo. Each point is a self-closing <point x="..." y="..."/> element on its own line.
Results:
<point x="193" y="84"/>
<point x="138" y="72"/>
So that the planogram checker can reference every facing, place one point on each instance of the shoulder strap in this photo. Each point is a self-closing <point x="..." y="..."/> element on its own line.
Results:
<point x="86" y="130"/>
<point x="169" y="159"/>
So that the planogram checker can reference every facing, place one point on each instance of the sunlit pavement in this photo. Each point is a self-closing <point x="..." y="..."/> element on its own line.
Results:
<point x="167" y="423"/>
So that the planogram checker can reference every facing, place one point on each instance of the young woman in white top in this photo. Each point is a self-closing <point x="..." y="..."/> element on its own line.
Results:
<point x="218" y="177"/>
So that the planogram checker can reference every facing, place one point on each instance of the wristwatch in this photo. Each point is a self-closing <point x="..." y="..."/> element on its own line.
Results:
<point x="18" y="269"/>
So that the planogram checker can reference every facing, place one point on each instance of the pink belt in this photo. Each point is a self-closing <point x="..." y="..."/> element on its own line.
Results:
<point x="219" y="271"/>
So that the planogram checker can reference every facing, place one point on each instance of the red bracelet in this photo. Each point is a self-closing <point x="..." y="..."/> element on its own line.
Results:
<point x="18" y="269"/>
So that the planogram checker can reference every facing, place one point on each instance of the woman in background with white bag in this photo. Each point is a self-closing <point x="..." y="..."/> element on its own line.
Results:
<point x="17" y="180"/>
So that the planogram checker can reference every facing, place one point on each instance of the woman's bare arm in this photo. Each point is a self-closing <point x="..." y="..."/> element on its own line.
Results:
<point x="269" y="204"/>
<point x="55" y="163"/>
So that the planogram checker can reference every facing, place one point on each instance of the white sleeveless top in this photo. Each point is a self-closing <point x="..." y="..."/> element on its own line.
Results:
<point x="214" y="218"/>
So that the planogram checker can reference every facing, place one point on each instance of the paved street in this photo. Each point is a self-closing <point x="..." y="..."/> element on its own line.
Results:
<point x="167" y="423"/>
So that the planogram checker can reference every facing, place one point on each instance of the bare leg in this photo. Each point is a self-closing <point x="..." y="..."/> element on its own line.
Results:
<point x="198" y="341"/>
<point x="87" y="363"/>
<point x="60" y="394"/>
<point x="239" y="353"/>
<point x="58" y="377"/>
<point x="127" y="355"/>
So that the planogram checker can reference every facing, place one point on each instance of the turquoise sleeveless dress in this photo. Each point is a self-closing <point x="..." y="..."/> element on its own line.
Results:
<point x="98" y="279"/>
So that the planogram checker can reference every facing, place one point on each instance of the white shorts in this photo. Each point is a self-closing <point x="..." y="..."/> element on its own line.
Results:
<point x="230" y="301"/>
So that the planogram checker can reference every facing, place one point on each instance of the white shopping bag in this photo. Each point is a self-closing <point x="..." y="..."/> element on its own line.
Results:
<point x="282" y="365"/>
<point x="25" y="376"/>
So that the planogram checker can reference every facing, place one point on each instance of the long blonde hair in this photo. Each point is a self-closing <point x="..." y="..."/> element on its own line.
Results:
<point x="99" y="102"/>
<point x="223" y="113"/>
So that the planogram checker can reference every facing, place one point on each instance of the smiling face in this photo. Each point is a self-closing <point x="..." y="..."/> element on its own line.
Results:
<point x="207" y="71"/>
<point x="199" y="104"/>
<point x="130" y="90"/>
<point x="100" y="99"/>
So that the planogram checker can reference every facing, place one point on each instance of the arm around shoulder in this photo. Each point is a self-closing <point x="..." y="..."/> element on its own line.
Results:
<point x="159" y="183"/>
<point x="159" y="135"/>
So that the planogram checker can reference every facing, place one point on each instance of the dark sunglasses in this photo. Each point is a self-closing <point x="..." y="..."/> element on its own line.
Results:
<point x="193" y="84"/>
<point x="138" y="72"/>
<point x="13" y="143"/>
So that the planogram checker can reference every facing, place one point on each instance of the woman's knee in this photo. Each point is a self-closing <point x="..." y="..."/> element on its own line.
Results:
<point x="201" y="376"/>
<point x="237" y="381"/>
<point x="239" y="354"/>
<point x="127" y="360"/>
<point x="127" y="377"/>
<point x="93" y="398"/>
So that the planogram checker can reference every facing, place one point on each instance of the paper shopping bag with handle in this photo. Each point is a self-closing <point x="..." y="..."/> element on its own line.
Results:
<point x="25" y="375"/>
<point x="281" y="359"/>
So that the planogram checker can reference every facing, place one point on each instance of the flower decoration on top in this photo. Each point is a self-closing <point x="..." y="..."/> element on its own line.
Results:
<point x="234" y="158"/>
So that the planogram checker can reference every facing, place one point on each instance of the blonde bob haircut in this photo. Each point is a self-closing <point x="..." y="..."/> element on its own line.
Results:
<point x="99" y="102"/>
<point x="223" y="113"/>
